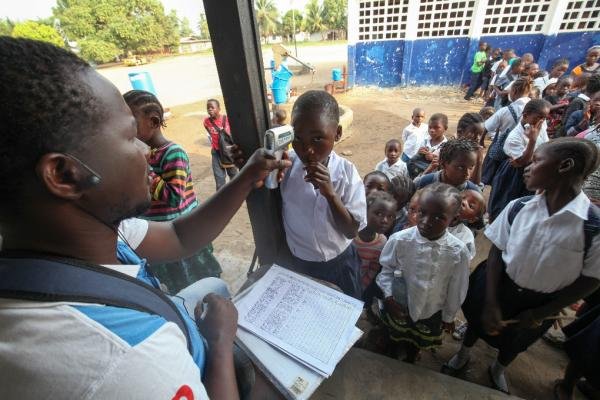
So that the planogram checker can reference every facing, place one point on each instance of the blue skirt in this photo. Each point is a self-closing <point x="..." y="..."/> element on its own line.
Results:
<point x="343" y="271"/>
<point x="507" y="185"/>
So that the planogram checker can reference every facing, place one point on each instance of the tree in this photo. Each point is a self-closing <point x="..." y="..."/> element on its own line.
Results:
<point x="33" y="30"/>
<point x="335" y="15"/>
<point x="287" y="24"/>
<point x="203" y="27"/>
<point x="140" y="26"/>
<point x="314" y="17"/>
<point x="98" y="51"/>
<point x="6" y="26"/>
<point x="266" y="17"/>
<point x="184" y="27"/>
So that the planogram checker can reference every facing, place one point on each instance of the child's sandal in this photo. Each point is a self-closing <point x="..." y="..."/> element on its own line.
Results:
<point x="454" y="372"/>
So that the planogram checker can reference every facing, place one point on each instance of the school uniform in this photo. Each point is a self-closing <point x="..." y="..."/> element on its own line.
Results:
<point x="412" y="136"/>
<point x="396" y="169"/>
<point x="542" y="254"/>
<point x="508" y="183"/>
<point x="436" y="274"/>
<point x="465" y="235"/>
<point x="502" y="120"/>
<point x="435" y="177"/>
<point x="318" y="248"/>
<point x="583" y="345"/>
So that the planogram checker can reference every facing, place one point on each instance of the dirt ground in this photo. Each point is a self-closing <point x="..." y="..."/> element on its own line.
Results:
<point x="379" y="115"/>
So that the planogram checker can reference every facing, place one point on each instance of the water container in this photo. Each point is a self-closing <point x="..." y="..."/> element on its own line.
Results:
<point x="283" y="73"/>
<point x="279" y="83"/>
<point x="399" y="291"/>
<point x="336" y="74"/>
<point x="142" y="81"/>
<point x="280" y="95"/>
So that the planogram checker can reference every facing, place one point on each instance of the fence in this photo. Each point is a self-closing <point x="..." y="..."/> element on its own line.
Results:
<point x="420" y="42"/>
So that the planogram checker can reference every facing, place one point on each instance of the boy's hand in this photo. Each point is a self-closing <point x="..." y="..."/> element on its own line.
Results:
<point x="527" y="320"/>
<point x="220" y="323"/>
<point x="492" y="319"/>
<point x="261" y="163"/>
<point x="448" y="326"/>
<point x="394" y="309"/>
<point x="430" y="156"/>
<point x="318" y="174"/>
<point x="423" y="150"/>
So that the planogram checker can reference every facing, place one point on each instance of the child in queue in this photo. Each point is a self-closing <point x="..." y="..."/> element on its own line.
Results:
<point x="435" y="268"/>
<point x="519" y="147"/>
<point x="376" y="181"/>
<point x="381" y="213"/>
<point x="414" y="134"/>
<point x="429" y="148"/>
<point x="544" y="257"/>
<point x="457" y="159"/>
<point x="392" y="165"/>
<point x="323" y="198"/>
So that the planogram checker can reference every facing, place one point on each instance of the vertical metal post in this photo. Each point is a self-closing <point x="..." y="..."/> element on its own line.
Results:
<point x="236" y="47"/>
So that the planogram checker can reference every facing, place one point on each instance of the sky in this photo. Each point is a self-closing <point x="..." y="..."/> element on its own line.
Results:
<point x="33" y="9"/>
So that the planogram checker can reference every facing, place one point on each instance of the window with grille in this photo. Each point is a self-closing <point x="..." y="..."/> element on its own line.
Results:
<point x="515" y="16"/>
<point x="581" y="15"/>
<point x="444" y="18"/>
<point x="382" y="19"/>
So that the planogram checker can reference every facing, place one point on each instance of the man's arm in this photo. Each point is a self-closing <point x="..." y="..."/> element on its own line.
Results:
<point x="184" y="236"/>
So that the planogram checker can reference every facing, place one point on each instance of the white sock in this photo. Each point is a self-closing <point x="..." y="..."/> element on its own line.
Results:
<point x="461" y="358"/>
<point x="497" y="370"/>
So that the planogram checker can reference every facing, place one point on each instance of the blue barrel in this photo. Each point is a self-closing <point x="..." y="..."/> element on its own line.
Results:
<point x="142" y="81"/>
<point x="279" y="95"/>
<point x="336" y="74"/>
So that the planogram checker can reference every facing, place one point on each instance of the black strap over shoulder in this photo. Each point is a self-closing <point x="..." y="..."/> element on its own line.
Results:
<point x="591" y="227"/>
<point x="51" y="279"/>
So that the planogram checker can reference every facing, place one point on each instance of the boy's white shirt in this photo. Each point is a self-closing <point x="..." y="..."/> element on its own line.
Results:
<point x="545" y="252"/>
<point x="433" y="148"/>
<point x="307" y="218"/>
<point x="391" y="171"/>
<point x="517" y="141"/>
<point x="436" y="272"/>
<point x="412" y="136"/>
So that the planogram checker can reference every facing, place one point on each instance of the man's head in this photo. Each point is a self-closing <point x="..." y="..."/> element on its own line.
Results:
<point x="64" y="125"/>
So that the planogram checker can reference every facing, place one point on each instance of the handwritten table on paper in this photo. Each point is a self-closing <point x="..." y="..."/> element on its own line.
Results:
<point x="305" y="319"/>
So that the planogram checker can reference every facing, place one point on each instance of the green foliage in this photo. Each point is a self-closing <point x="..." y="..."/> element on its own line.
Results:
<point x="33" y="30"/>
<point x="6" y="26"/>
<point x="139" y="26"/>
<point x="266" y="17"/>
<point x="203" y="27"/>
<point x="335" y="15"/>
<point x="313" y="21"/>
<point x="184" y="27"/>
<point x="98" y="51"/>
<point x="287" y="25"/>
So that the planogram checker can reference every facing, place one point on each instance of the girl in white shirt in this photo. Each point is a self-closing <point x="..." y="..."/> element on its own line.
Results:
<point x="519" y="146"/>
<point x="435" y="267"/>
<point x="545" y="256"/>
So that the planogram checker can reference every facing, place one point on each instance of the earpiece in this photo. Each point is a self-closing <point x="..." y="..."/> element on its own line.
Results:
<point x="93" y="178"/>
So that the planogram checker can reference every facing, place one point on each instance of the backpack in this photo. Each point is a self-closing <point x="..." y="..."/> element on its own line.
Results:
<point x="225" y="141"/>
<point x="591" y="227"/>
<point x="55" y="279"/>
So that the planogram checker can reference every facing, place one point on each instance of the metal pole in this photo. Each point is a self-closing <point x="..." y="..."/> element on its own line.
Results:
<point x="237" y="51"/>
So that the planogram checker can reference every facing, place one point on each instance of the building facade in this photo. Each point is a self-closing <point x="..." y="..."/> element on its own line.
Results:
<point x="432" y="42"/>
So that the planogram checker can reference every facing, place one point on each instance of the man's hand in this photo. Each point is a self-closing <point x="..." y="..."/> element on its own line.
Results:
<point x="318" y="174"/>
<point x="492" y="319"/>
<point x="394" y="309"/>
<point x="260" y="164"/>
<point x="220" y="323"/>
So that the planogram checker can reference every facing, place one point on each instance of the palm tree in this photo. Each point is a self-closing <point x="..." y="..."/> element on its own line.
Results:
<point x="314" y="17"/>
<point x="266" y="16"/>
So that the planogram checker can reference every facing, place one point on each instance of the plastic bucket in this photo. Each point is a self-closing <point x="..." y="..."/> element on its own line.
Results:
<point x="142" y="81"/>
<point x="336" y="74"/>
<point x="280" y="83"/>
<point x="283" y="73"/>
<point x="279" y="95"/>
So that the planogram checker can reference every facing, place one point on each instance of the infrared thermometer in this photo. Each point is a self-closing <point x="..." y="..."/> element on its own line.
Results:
<point x="277" y="141"/>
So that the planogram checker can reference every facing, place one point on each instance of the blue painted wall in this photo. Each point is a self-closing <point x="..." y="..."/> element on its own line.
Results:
<point x="447" y="61"/>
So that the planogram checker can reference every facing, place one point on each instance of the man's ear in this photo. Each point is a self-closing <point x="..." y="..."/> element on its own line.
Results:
<point x="60" y="176"/>
<point x="566" y="165"/>
<point x="338" y="134"/>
